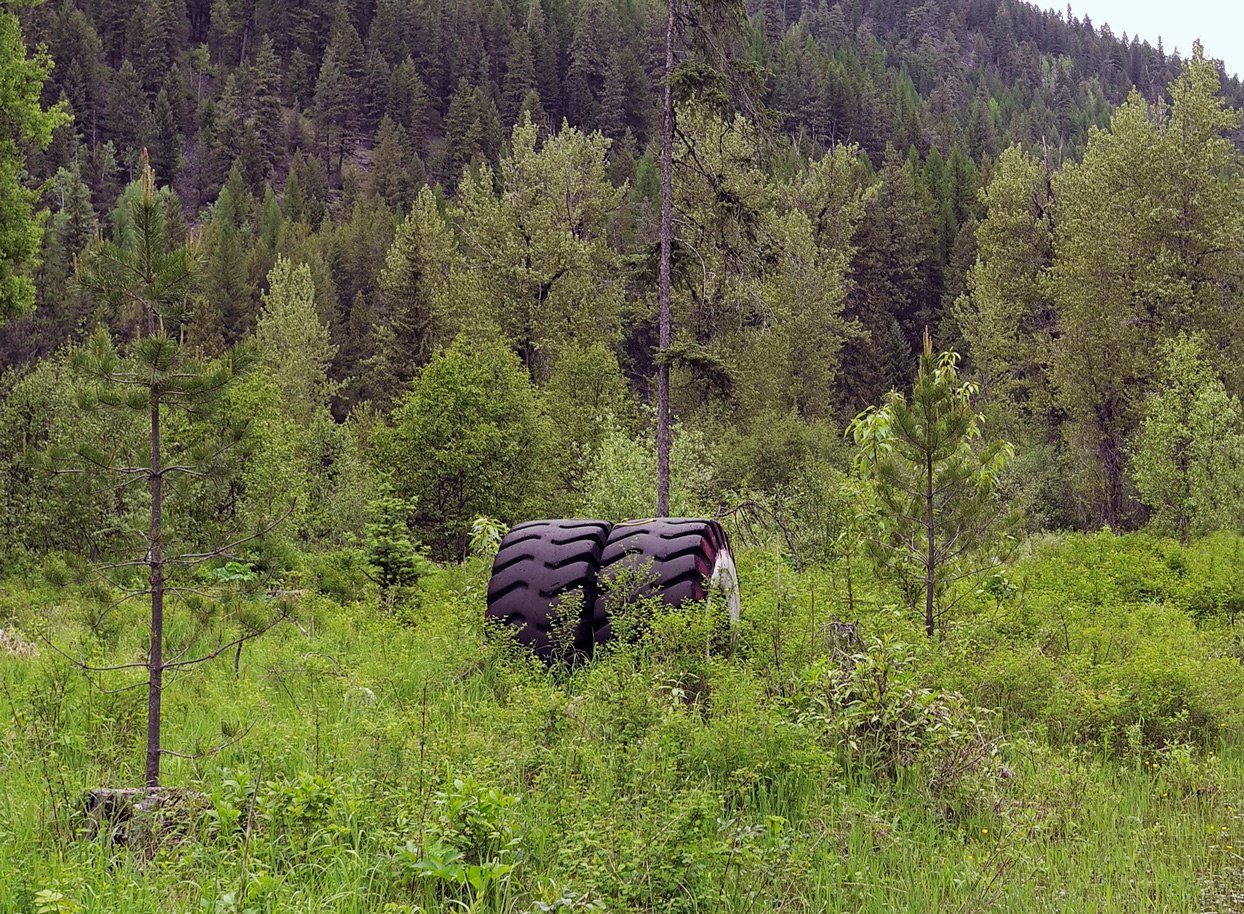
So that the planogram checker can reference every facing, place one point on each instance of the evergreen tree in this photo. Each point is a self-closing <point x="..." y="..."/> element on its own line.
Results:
<point x="590" y="52"/>
<point x="708" y="27"/>
<point x="520" y="78"/>
<point x="293" y="205"/>
<point x="164" y="140"/>
<point x="156" y="379"/>
<point x="408" y="104"/>
<point x="128" y="113"/>
<point x="889" y="296"/>
<point x="356" y="251"/>
<point x="148" y="43"/>
<point x="544" y="55"/>
<point x="312" y="186"/>
<point x="376" y="93"/>
<point x="472" y="130"/>
<point x="395" y="174"/>
<point x="268" y="116"/>
<point x="937" y="523"/>
<point x="60" y="313"/>
<point x="334" y="99"/>
<point x="1006" y="317"/>
<point x="224" y="301"/>
<point x="300" y="78"/>
<point x="413" y="289"/>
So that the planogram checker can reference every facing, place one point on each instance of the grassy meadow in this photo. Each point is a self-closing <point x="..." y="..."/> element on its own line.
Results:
<point x="1071" y="743"/>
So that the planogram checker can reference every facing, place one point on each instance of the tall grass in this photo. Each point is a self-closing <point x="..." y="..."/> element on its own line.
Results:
<point x="411" y="762"/>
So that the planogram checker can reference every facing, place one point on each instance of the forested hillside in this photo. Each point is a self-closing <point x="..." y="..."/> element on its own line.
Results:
<point x="363" y="183"/>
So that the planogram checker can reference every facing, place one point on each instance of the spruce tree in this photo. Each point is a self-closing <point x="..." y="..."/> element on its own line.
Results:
<point x="408" y="104"/>
<point x="268" y="115"/>
<point x="699" y="35"/>
<point x="1006" y="317"/>
<point x="413" y="287"/>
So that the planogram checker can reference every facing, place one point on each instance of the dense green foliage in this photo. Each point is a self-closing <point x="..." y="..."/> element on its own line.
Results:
<point x="25" y="125"/>
<point x="1073" y="738"/>
<point x="411" y="171"/>
<point x="430" y="230"/>
<point x="1190" y="446"/>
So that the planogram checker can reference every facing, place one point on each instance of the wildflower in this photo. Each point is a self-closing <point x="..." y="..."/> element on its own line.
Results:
<point x="985" y="831"/>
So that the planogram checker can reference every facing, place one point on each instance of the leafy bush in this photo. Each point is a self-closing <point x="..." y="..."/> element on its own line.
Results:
<point x="468" y="439"/>
<point x="1102" y="636"/>
<point x="870" y="707"/>
<point x="468" y="848"/>
<point x="621" y="482"/>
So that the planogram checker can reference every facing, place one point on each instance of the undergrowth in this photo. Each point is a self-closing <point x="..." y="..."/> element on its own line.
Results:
<point x="1069" y="743"/>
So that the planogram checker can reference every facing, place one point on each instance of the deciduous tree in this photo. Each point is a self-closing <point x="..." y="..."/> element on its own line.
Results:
<point x="24" y="123"/>
<point x="294" y="342"/>
<point x="467" y="440"/>
<point x="1148" y="242"/>
<point x="534" y="240"/>
<point x="1188" y="464"/>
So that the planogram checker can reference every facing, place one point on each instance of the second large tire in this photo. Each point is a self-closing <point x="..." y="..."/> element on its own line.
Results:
<point x="541" y="567"/>
<point x="674" y="558"/>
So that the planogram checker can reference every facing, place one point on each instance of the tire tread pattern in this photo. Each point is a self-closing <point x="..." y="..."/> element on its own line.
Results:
<point x="538" y="564"/>
<point x="682" y="552"/>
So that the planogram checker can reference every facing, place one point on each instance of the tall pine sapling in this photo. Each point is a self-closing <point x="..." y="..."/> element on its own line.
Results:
<point x="155" y="378"/>
<point x="938" y="521"/>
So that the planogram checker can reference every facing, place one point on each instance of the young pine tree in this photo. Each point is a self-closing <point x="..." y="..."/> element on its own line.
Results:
<point x="154" y="378"/>
<point x="938" y="521"/>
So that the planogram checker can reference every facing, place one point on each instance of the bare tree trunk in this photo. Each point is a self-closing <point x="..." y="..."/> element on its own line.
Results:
<point x="155" y="560"/>
<point x="931" y="557"/>
<point x="663" y="293"/>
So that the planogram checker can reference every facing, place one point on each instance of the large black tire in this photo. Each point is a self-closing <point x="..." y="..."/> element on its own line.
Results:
<point x="539" y="565"/>
<point x="675" y="558"/>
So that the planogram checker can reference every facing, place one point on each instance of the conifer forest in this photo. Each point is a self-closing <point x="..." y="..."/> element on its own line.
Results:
<point x="934" y="309"/>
